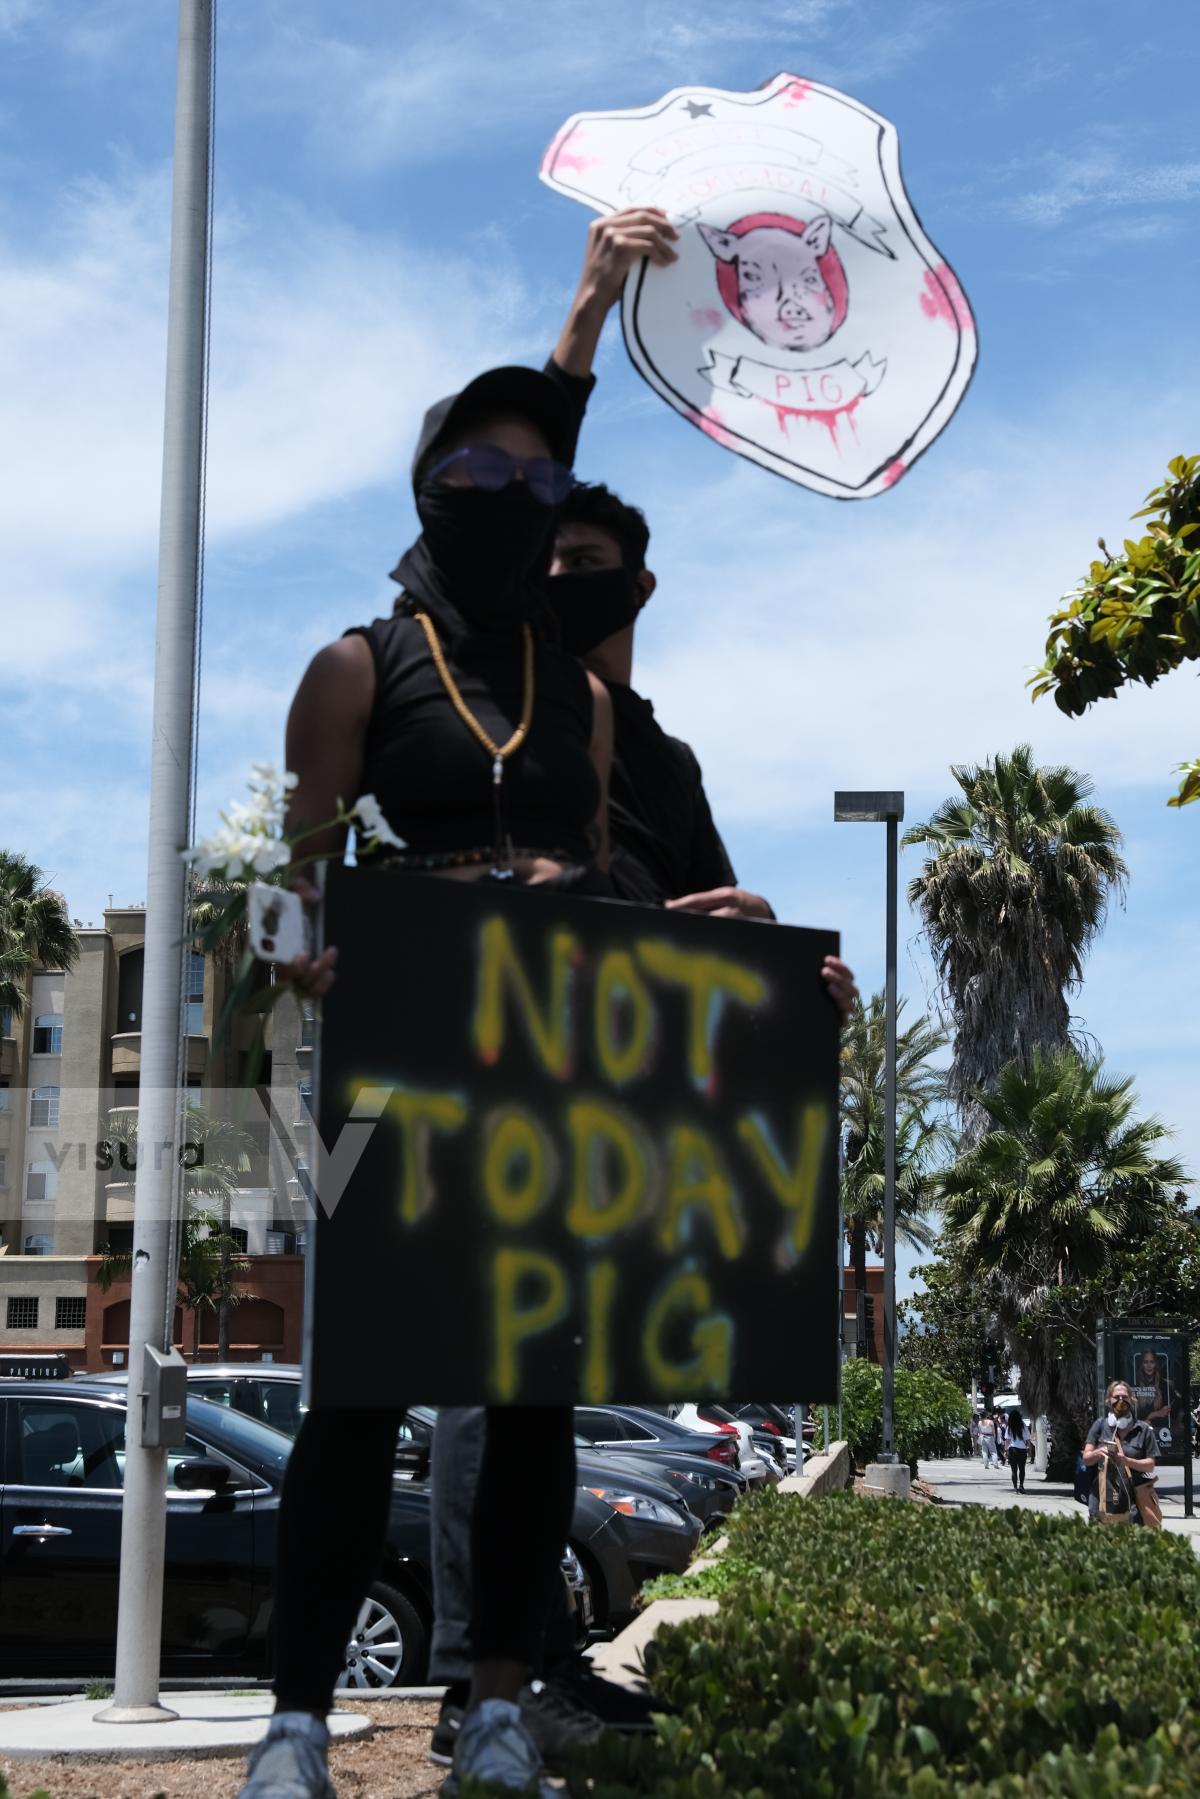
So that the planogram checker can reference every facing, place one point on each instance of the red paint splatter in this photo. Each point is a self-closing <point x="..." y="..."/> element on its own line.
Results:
<point x="706" y="318"/>
<point x="830" y="417"/>
<point x="709" y="420"/>
<point x="796" y="94"/>
<point x="558" y="156"/>
<point x="944" y="299"/>
<point x="893" y="472"/>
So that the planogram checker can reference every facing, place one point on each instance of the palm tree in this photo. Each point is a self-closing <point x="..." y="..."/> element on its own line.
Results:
<point x="208" y="1268"/>
<point x="919" y="1086"/>
<point x="35" y="929"/>
<point x="1042" y="1205"/>
<point x="1012" y="893"/>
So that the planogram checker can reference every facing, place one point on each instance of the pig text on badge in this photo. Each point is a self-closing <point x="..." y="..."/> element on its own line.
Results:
<point x="809" y="324"/>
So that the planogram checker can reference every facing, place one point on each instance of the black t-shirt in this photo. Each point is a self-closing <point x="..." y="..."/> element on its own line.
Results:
<point x="664" y="841"/>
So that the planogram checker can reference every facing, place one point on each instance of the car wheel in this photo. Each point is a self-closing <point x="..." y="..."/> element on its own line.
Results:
<point x="387" y="1646"/>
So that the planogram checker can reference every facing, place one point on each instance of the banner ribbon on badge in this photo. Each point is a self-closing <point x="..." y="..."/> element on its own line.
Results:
<point x="833" y="388"/>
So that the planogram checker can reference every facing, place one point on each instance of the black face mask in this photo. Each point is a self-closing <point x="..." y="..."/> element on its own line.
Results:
<point x="592" y="605"/>
<point x="484" y="545"/>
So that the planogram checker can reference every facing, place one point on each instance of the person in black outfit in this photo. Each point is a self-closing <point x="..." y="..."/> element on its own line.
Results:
<point x="487" y="748"/>
<point x="664" y="850"/>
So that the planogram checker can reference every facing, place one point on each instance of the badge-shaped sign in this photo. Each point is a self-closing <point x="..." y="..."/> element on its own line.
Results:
<point x="808" y="324"/>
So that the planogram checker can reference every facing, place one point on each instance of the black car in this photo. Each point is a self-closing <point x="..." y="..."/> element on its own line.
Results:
<point x="60" y="1530"/>
<point x="628" y="1524"/>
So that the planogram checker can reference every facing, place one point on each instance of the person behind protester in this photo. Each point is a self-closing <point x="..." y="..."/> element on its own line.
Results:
<point x="987" y="1440"/>
<point x="1120" y="1447"/>
<point x="488" y="748"/>
<point x="1018" y="1448"/>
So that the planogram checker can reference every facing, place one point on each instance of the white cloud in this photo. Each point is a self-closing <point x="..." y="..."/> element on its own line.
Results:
<point x="410" y="91"/>
<point x="326" y="347"/>
<point x="1104" y="178"/>
<point x="874" y="644"/>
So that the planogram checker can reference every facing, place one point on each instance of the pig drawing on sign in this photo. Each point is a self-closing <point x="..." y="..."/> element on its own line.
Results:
<point x="781" y="278"/>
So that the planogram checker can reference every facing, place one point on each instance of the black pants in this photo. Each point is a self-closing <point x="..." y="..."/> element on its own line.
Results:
<point x="1016" y="1463"/>
<point x="458" y="1448"/>
<point x="333" y="1523"/>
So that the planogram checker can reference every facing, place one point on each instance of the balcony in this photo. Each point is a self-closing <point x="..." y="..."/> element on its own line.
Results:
<point x="127" y="1053"/>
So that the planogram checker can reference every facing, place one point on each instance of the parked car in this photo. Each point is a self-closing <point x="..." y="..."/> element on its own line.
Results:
<point x="627" y="1525"/>
<point x="639" y="1430"/>
<point x="709" y="1418"/>
<point x="60" y="1528"/>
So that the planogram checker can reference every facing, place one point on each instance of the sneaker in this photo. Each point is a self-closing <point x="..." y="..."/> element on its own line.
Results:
<point x="494" y="1748"/>
<point x="617" y="1707"/>
<point x="562" y="1726"/>
<point x="445" y="1733"/>
<point x="291" y="1760"/>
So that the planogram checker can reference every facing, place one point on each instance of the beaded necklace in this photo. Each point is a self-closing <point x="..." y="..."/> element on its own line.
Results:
<point x="499" y="752"/>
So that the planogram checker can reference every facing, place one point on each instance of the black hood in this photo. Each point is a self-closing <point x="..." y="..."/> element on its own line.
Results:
<point x="457" y="613"/>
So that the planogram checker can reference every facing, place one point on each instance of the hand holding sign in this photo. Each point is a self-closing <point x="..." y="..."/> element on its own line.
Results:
<point x="805" y="320"/>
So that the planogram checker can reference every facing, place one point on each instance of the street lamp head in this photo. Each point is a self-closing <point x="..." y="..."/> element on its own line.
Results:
<point x="867" y="808"/>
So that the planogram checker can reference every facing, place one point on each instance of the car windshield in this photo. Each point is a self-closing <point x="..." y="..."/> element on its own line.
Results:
<point x="240" y="1437"/>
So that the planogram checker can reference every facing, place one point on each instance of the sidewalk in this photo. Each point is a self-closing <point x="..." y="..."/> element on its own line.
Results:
<point x="963" y="1482"/>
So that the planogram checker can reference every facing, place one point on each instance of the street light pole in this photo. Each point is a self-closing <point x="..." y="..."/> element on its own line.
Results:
<point x="152" y="1423"/>
<point x="885" y="808"/>
<point x="889" y="1151"/>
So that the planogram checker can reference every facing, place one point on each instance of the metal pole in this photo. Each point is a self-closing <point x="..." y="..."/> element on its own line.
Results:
<point x="800" y="1411"/>
<point x="152" y="1301"/>
<point x="889" y="1167"/>
<point x="841" y="1286"/>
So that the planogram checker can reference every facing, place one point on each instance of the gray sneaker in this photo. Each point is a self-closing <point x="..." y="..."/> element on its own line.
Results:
<point x="291" y="1760"/>
<point x="494" y="1748"/>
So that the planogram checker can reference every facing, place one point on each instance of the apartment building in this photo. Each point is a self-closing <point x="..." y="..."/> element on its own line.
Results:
<point x="69" y="1076"/>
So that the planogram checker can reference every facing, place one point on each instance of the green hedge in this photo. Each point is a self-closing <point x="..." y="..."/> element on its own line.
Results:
<point x="932" y="1417"/>
<point x="875" y="1648"/>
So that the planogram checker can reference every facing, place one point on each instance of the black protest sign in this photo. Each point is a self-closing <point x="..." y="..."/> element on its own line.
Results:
<point x="571" y="1150"/>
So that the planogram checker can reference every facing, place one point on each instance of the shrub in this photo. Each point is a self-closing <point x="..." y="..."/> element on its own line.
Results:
<point x="931" y="1415"/>
<point x="876" y="1649"/>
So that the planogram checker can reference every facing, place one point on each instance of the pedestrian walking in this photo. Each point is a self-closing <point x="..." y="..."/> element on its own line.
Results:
<point x="1018" y="1449"/>
<point x="987" y="1441"/>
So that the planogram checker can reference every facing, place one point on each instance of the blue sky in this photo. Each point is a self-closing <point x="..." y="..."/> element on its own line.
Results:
<point x="381" y="235"/>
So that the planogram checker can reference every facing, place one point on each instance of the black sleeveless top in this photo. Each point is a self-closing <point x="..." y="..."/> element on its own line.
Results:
<point x="431" y="775"/>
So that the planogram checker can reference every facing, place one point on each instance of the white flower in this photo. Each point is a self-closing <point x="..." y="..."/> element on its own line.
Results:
<point x="376" y="829"/>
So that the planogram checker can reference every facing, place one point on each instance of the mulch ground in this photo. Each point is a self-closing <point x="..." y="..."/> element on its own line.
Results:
<point x="390" y="1764"/>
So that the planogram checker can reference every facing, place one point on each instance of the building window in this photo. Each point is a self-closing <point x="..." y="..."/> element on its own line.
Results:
<point x="193" y="1010"/>
<point x="308" y="1026"/>
<point x="40" y="1185"/>
<point x="43" y="1107"/>
<point x="3" y="1096"/>
<point x="47" y="1035"/>
<point x="70" y="1314"/>
<point x="239" y="1238"/>
<point x="3" y="1168"/>
<point x="22" y="1313"/>
<point x="5" y="1021"/>
<point x="41" y="1244"/>
<point x="129" y="990"/>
